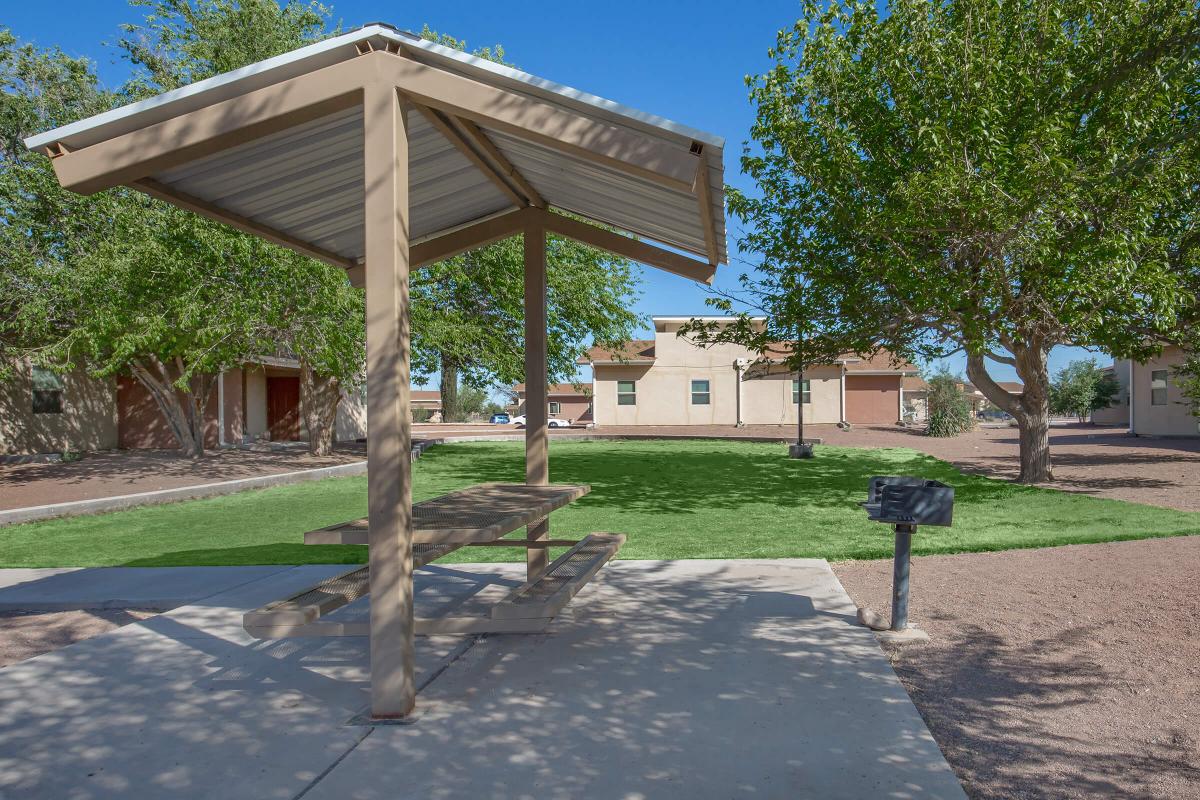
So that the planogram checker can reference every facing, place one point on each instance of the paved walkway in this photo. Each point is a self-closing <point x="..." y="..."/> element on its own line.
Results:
<point x="664" y="679"/>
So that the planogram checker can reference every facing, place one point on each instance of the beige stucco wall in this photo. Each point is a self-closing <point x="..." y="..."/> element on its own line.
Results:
<point x="88" y="420"/>
<point x="664" y="389"/>
<point x="1173" y="419"/>
<point x="256" y="401"/>
<point x="1118" y="412"/>
<point x="351" y="421"/>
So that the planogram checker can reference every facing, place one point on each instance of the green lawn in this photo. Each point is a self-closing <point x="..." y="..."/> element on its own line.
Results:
<point x="677" y="499"/>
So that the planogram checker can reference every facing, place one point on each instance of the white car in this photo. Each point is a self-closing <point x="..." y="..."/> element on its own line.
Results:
<point x="519" y="421"/>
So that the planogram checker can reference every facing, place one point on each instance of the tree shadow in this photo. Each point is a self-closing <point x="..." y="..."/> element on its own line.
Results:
<point x="993" y="705"/>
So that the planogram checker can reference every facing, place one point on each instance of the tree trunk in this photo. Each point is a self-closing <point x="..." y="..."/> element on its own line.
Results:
<point x="1035" y="448"/>
<point x="183" y="411"/>
<point x="319" y="399"/>
<point x="1031" y="409"/>
<point x="449" y="391"/>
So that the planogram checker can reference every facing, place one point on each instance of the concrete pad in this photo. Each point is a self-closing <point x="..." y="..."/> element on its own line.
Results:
<point x="16" y="577"/>
<point x="669" y="679"/>
<point x="689" y="679"/>
<point x="120" y="587"/>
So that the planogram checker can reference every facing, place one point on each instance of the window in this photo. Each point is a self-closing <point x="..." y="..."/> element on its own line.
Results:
<point x="47" y="392"/>
<point x="700" y="393"/>
<point x="555" y="408"/>
<point x="801" y="390"/>
<point x="1158" y="387"/>
<point x="626" y="393"/>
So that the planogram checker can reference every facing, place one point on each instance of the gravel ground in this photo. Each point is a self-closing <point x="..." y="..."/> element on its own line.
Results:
<point x="119" y="472"/>
<point x="1067" y="672"/>
<point x="25" y="634"/>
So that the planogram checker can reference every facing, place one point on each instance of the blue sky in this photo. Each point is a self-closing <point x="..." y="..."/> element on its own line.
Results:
<point x="684" y="61"/>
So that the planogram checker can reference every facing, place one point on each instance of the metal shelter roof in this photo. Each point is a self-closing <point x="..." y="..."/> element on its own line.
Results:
<point x="304" y="181"/>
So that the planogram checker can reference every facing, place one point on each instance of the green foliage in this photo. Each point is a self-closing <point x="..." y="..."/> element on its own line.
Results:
<point x="1187" y="378"/>
<point x="469" y="310"/>
<point x="183" y="41"/>
<point x="119" y="283"/>
<point x="44" y="229"/>
<point x="1082" y="387"/>
<point x="999" y="177"/>
<point x="949" y="409"/>
<point x="767" y="507"/>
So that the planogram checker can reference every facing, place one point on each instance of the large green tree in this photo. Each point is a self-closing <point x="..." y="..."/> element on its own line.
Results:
<point x="121" y="284"/>
<point x="1082" y="387"/>
<point x="312" y="313"/>
<point x="468" y="311"/>
<point x="998" y="178"/>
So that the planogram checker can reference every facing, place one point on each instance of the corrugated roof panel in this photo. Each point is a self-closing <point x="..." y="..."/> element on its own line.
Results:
<point x="606" y="195"/>
<point x="308" y="182"/>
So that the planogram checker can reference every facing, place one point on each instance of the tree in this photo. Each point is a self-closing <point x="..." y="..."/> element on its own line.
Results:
<point x="115" y="283"/>
<point x="309" y="308"/>
<point x="44" y="229"/>
<point x="1187" y="378"/>
<point x="948" y="408"/>
<point x="994" y="178"/>
<point x="174" y="299"/>
<point x="1082" y="387"/>
<point x="170" y="299"/>
<point x="183" y="41"/>
<point x="314" y="315"/>
<point x="468" y="311"/>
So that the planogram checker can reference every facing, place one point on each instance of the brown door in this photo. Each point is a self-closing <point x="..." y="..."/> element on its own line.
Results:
<point x="872" y="399"/>
<point x="283" y="408"/>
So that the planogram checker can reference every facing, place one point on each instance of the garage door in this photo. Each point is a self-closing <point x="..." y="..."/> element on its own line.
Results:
<point x="872" y="399"/>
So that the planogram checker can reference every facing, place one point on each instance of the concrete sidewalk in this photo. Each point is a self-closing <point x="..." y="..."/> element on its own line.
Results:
<point x="664" y="679"/>
<point x="154" y="588"/>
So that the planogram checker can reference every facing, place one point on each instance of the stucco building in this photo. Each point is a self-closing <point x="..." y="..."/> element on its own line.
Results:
<point x="566" y="401"/>
<point x="1156" y="405"/>
<point x="669" y="380"/>
<point x="43" y="412"/>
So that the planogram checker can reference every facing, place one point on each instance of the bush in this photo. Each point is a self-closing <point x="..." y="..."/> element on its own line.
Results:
<point x="949" y="409"/>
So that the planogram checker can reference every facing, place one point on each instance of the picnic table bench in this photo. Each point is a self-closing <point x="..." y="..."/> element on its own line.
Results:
<point x="474" y="517"/>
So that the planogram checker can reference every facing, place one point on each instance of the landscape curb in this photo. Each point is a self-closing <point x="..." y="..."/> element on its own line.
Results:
<point x="79" y="507"/>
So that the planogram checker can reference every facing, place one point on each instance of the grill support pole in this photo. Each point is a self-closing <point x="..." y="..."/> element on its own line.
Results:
<point x="900" y="570"/>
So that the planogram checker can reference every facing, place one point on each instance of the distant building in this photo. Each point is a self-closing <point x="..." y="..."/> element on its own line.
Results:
<point x="564" y="401"/>
<point x="43" y="412"/>
<point x="669" y="380"/>
<point x="426" y="405"/>
<point x="1156" y="405"/>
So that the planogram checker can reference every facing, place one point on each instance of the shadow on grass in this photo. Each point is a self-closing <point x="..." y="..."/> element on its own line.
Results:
<point x="653" y="477"/>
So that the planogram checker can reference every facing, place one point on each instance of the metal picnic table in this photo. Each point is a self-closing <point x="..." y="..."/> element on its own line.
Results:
<point x="477" y="516"/>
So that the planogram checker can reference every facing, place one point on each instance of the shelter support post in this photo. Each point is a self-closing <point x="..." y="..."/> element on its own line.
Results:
<point x="389" y="468"/>
<point x="537" y="456"/>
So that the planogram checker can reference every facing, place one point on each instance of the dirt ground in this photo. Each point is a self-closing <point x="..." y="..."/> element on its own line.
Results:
<point x="119" y="472"/>
<point x="1067" y="672"/>
<point x="25" y="634"/>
